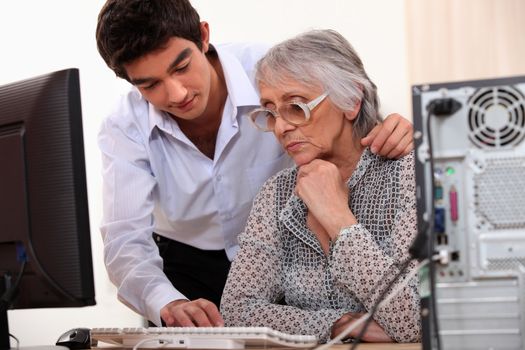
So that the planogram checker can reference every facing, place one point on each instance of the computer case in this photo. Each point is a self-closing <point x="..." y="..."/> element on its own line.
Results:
<point x="470" y="174"/>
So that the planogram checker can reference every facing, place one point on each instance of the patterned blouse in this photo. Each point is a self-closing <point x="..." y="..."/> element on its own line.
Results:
<point x="281" y="258"/>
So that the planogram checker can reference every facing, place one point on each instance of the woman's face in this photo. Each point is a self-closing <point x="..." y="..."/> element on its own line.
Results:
<point x="328" y="133"/>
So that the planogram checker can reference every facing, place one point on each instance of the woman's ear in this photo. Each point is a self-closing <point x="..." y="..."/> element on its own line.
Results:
<point x="351" y="115"/>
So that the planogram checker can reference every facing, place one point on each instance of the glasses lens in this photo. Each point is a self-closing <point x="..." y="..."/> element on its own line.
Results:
<point x="294" y="113"/>
<point x="263" y="119"/>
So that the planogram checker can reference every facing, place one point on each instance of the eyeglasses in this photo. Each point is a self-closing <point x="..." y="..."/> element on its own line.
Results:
<point x="295" y="113"/>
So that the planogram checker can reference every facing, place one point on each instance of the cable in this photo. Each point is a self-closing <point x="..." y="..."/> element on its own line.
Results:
<point x="363" y="318"/>
<point x="422" y="248"/>
<point x="376" y="286"/>
<point x="371" y="313"/>
<point x="44" y="272"/>
<point x="16" y="340"/>
<point x="7" y="297"/>
<point x="431" y="266"/>
<point x="5" y="301"/>
<point x="390" y="296"/>
<point x="441" y="107"/>
<point x="162" y="342"/>
<point x="438" y="107"/>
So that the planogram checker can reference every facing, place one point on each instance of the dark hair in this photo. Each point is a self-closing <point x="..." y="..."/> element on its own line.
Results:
<point x="129" y="29"/>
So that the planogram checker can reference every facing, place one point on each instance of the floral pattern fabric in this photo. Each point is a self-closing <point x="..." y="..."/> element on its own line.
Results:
<point x="280" y="258"/>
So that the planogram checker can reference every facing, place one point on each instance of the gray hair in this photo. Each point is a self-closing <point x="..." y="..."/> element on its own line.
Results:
<point x="324" y="58"/>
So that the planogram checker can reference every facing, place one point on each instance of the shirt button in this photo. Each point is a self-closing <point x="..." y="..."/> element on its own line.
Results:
<point x="219" y="178"/>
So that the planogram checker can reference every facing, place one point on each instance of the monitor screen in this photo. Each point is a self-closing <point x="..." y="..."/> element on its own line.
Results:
<point x="45" y="247"/>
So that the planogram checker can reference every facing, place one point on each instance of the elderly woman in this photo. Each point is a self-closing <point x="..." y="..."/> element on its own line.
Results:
<point x="321" y="235"/>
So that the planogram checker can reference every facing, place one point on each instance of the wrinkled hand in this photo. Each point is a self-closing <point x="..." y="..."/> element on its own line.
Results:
<point x="393" y="138"/>
<point x="374" y="332"/>
<point x="320" y="186"/>
<point x="195" y="313"/>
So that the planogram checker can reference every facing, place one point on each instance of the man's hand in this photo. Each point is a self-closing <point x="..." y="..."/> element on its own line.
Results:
<point x="374" y="332"/>
<point x="393" y="138"/>
<point x="195" y="313"/>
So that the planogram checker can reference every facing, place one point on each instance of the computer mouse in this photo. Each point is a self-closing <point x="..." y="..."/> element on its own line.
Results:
<point x="76" y="338"/>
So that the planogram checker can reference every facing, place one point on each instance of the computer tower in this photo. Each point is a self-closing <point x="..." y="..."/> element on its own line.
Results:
<point x="470" y="174"/>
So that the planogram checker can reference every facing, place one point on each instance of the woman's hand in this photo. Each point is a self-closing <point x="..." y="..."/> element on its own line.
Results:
<point x="320" y="186"/>
<point x="374" y="332"/>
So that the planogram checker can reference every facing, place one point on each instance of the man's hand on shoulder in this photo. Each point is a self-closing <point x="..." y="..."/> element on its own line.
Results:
<point x="194" y="313"/>
<point x="393" y="138"/>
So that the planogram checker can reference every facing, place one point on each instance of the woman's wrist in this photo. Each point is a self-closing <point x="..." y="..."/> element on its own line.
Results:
<point x="339" y="225"/>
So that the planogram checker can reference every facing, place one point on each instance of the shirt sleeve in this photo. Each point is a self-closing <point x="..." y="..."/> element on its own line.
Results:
<point x="358" y="262"/>
<point x="130" y="254"/>
<point x="255" y="282"/>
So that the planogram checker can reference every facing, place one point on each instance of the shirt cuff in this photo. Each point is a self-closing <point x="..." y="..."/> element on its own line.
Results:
<point x="159" y="298"/>
<point x="350" y="229"/>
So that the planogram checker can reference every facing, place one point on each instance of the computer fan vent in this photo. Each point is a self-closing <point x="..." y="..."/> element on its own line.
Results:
<point x="505" y="264"/>
<point x="496" y="117"/>
<point x="499" y="197"/>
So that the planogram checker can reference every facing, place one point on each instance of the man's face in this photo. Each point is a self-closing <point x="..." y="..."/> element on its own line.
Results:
<point x="175" y="78"/>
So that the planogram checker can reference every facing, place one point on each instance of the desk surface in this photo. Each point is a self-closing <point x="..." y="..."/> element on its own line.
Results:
<point x="363" y="346"/>
<point x="380" y="346"/>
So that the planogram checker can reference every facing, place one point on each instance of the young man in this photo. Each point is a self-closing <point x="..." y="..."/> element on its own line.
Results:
<point x="181" y="161"/>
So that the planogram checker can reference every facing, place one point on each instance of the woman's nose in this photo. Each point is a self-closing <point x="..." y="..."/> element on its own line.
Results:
<point x="281" y="125"/>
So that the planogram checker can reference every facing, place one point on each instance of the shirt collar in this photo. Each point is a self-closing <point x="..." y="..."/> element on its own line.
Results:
<point x="239" y="82"/>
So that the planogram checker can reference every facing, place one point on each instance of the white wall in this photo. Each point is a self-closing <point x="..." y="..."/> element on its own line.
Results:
<point x="376" y="29"/>
<point x="470" y="39"/>
<point x="41" y="36"/>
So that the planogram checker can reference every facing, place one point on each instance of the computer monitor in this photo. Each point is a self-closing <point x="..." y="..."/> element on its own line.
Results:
<point x="44" y="221"/>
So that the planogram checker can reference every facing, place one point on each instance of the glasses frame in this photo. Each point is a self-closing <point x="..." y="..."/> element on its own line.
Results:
<point x="306" y="107"/>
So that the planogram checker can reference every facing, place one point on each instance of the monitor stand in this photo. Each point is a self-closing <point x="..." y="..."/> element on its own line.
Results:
<point x="4" y="329"/>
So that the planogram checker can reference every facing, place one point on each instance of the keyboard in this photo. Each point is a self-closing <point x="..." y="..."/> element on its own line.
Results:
<point x="199" y="337"/>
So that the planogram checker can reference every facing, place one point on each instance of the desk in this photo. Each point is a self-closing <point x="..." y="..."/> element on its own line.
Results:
<point x="363" y="346"/>
<point x="380" y="346"/>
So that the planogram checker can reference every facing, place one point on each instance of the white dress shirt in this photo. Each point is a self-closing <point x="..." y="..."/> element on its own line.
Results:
<point x="156" y="180"/>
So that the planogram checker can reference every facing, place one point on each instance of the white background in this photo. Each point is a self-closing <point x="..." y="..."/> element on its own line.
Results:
<point x="37" y="37"/>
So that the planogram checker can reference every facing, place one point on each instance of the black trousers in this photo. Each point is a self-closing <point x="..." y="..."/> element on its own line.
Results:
<point x="194" y="272"/>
